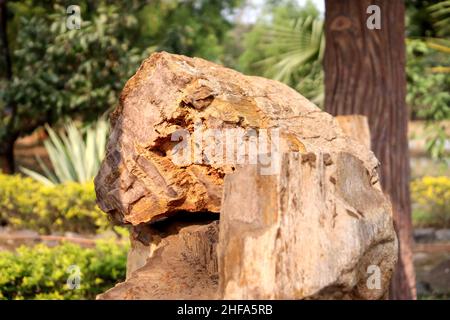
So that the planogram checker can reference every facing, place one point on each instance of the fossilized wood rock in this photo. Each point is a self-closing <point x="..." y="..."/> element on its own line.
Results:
<point x="184" y="266"/>
<point x="307" y="230"/>
<point x="288" y="236"/>
<point x="356" y="127"/>
<point x="311" y="232"/>
<point x="138" y="181"/>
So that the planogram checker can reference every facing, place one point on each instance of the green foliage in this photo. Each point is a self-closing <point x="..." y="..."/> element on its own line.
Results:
<point x="288" y="47"/>
<point x="419" y="21"/>
<point x="435" y="87"/>
<point x="28" y="204"/>
<point x="433" y="297"/>
<point x="441" y="46"/>
<point x="428" y="94"/>
<point x="441" y="13"/>
<point x="60" y="72"/>
<point x="75" y="154"/>
<point x="190" y="27"/>
<point x="41" y="272"/>
<point x="431" y="201"/>
<point x="79" y="73"/>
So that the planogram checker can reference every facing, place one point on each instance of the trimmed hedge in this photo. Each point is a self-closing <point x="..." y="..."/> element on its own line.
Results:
<point x="28" y="204"/>
<point x="42" y="272"/>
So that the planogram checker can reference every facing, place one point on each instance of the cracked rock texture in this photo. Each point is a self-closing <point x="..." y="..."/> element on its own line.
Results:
<point x="184" y="266"/>
<point x="138" y="181"/>
<point x="303" y="236"/>
<point x="314" y="239"/>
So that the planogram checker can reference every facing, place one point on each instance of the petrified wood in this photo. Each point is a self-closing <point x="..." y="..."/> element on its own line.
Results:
<point x="304" y="217"/>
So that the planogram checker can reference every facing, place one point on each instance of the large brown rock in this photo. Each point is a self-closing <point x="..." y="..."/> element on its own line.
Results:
<point x="336" y="205"/>
<point x="138" y="182"/>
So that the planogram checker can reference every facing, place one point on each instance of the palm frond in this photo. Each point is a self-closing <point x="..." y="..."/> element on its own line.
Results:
<point x="442" y="46"/>
<point x="37" y="176"/>
<point x="441" y="13"/>
<point x="293" y="45"/>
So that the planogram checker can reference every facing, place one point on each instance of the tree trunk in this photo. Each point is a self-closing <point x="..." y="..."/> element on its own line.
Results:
<point x="365" y="74"/>
<point x="7" y="148"/>
<point x="4" y="39"/>
<point x="7" y="164"/>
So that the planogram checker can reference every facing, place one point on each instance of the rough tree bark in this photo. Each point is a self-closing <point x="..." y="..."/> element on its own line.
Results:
<point x="365" y="74"/>
<point x="4" y="36"/>
<point x="7" y="157"/>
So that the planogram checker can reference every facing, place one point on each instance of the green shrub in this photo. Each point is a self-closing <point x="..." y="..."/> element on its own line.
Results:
<point x="431" y="201"/>
<point x="25" y="203"/>
<point x="42" y="272"/>
<point x="75" y="154"/>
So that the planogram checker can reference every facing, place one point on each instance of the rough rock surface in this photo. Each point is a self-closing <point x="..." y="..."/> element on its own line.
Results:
<point x="184" y="266"/>
<point x="138" y="182"/>
<point x="336" y="207"/>
<point x="303" y="237"/>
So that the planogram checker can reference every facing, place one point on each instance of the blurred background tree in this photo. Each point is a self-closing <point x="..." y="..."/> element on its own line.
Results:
<point x="419" y="20"/>
<point x="428" y="69"/>
<point x="51" y="72"/>
<point x="287" y="44"/>
<point x="192" y="27"/>
<point x="58" y="72"/>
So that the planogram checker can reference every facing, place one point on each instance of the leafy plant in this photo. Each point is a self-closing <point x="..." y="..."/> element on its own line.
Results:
<point x="442" y="46"/>
<point x="431" y="201"/>
<point x="58" y="72"/>
<point x="428" y="94"/>
<point x="441" y="12"/>
<point x="427" y="69"/>
<point x="28" y="204"/>
<point x="75" y="154"/>
<point x="192" y="27"/>
<point x="289" y="47"/>
<point x="41" y="272"/>
<point x="300" y="42"/>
